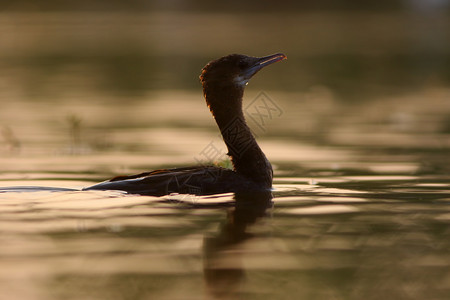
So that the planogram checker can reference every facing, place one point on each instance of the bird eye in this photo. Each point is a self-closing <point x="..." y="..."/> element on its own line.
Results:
<point x="242" y="64"/>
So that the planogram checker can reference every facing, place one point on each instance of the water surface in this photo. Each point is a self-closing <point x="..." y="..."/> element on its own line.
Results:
<point x="356" y="124"/>
<point x="360" y="206"/>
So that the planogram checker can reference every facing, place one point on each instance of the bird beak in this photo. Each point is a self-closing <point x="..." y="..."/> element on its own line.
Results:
<point x="270" y="59"/>
<point x="261" y="62"/>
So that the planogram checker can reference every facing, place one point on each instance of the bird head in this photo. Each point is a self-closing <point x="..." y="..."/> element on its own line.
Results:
<point x="235" y="69"/>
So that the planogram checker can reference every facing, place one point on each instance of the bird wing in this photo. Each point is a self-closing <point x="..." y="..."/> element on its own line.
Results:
<point x="198" y="180"/>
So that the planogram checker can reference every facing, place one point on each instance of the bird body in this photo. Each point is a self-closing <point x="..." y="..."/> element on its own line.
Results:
<point x="197" y="180"/>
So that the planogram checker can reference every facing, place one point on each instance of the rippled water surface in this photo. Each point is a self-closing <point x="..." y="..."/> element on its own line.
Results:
<point x="360" y="205"/>
<point x="357" y="129"/>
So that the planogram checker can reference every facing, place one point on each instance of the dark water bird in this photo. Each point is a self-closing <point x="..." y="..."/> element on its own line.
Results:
<point x="223" y="82"/>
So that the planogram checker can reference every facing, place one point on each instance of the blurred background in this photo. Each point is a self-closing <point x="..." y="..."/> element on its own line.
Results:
<point x="72" y="73"/>
<point x="54" y="48"/>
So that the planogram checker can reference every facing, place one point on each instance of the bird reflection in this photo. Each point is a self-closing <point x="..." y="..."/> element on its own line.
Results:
<point x="223" y="269"/>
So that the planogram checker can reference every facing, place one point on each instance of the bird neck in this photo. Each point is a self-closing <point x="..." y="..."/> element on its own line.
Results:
<point x="247" y="157"/>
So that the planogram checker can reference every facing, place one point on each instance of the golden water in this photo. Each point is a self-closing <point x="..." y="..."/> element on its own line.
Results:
<point x="360" y="206"/>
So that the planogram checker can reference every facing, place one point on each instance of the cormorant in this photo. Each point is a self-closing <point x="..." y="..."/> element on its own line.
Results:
<point x="223" y="82"/>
